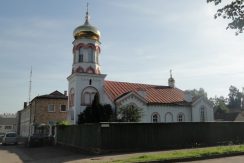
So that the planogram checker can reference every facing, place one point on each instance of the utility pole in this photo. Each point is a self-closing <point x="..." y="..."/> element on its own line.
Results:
<point x="242" y="96"/>
<point x="30" y="81"/>
<point x="30" y="107"/>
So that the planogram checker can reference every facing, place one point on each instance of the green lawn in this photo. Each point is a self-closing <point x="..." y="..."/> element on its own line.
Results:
<point x="181" y="154"/>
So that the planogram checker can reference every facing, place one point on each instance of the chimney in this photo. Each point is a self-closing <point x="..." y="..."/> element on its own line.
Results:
<point x="25" y="104"/>
<point x="65" y="93"/>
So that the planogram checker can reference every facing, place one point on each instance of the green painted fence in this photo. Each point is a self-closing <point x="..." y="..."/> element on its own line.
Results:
<point x="146" y="136"/>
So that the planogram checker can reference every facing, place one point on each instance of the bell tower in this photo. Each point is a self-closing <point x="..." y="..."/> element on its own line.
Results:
<point x="86" y="79"/>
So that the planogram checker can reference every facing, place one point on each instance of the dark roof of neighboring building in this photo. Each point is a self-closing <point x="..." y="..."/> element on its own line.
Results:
<point x="231" y="110"/>
<point x="240" y="116"/>
<point x="54" y="95"/>
<point x="7" y="121"/>
<point x="154" y="94"/>
<point x="226" y="116"/>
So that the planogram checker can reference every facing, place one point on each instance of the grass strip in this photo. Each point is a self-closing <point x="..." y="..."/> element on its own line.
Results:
<point x="185" y="154"/>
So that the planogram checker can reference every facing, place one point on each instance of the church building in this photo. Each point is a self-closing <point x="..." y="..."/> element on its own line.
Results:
<point x="158" y="103"/>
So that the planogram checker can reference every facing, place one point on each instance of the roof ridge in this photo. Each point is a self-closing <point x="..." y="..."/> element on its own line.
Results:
<point x="131" y="83"/>
<point x="154" y="93"/>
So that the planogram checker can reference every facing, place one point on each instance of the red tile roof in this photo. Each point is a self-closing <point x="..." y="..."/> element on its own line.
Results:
<point x="154" y="94"/>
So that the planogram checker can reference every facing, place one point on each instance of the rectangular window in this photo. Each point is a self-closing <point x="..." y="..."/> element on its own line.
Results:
<point x="51" y="108"/>
<point x="202" y="115"/>
<point x="90" y="55"/>
<point x="63" y="108"/>
<point x="51" y="123"/>
<point x="80" y="57"/>
<point x="8" y="127"/>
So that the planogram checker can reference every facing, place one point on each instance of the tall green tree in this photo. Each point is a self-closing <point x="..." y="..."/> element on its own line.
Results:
<point x="96" y="112"/>
<point x="234" y="11"/>
<point x="197" y="93"/>
<point x="220" y="104"/>
<point x="129" y="113"/>
<point x="235" y="97"/>
<point x="97" y="109"/>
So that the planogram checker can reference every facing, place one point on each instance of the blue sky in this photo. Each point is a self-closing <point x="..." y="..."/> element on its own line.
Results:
<point x="141" y="41"/>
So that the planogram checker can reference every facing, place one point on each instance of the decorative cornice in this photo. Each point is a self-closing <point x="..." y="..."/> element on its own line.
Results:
<point x="130" y="95"/>
<point x="89" y="45"/>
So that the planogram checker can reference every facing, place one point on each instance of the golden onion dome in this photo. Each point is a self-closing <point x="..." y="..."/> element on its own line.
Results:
<point x="87" y="31"/>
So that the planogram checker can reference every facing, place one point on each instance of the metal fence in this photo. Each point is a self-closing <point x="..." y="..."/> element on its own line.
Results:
<point x="85" y="137"/>
<point x="146" y="136"/>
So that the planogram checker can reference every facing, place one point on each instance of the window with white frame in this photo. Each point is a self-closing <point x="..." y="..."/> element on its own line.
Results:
<point x="155" y="118"/>
<point x="181" y="117"/>
<point x="51" y="108"/>
<point x="202" y="114"/>
<point x="63" y="108"/>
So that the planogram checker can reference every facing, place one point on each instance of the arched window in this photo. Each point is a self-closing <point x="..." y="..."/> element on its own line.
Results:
<point x="168" y="117"/>
<point x="71" y="97"/>
<point x="181" y="117"/>
<point x="155" y="118"/>
<point x="81" y="55"/>
<point x="87" y="95"/>
<point x="202" y="114"/>
<point x="87" y="98"/>
<point x="90" y="55"/>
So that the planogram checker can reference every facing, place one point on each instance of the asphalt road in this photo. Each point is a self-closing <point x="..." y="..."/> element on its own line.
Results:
<point x="55" y="154"/>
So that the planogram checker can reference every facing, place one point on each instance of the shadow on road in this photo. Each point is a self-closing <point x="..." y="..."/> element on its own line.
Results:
<point x="54" y="154"/>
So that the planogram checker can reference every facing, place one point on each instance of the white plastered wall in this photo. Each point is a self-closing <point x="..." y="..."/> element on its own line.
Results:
<point x="161" y="110"/>
<point x="81" y="81"/>
<point x="196" y="110"/>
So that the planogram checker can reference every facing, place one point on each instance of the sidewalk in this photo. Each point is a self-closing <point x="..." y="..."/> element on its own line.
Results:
<point x="113" y="157"/>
